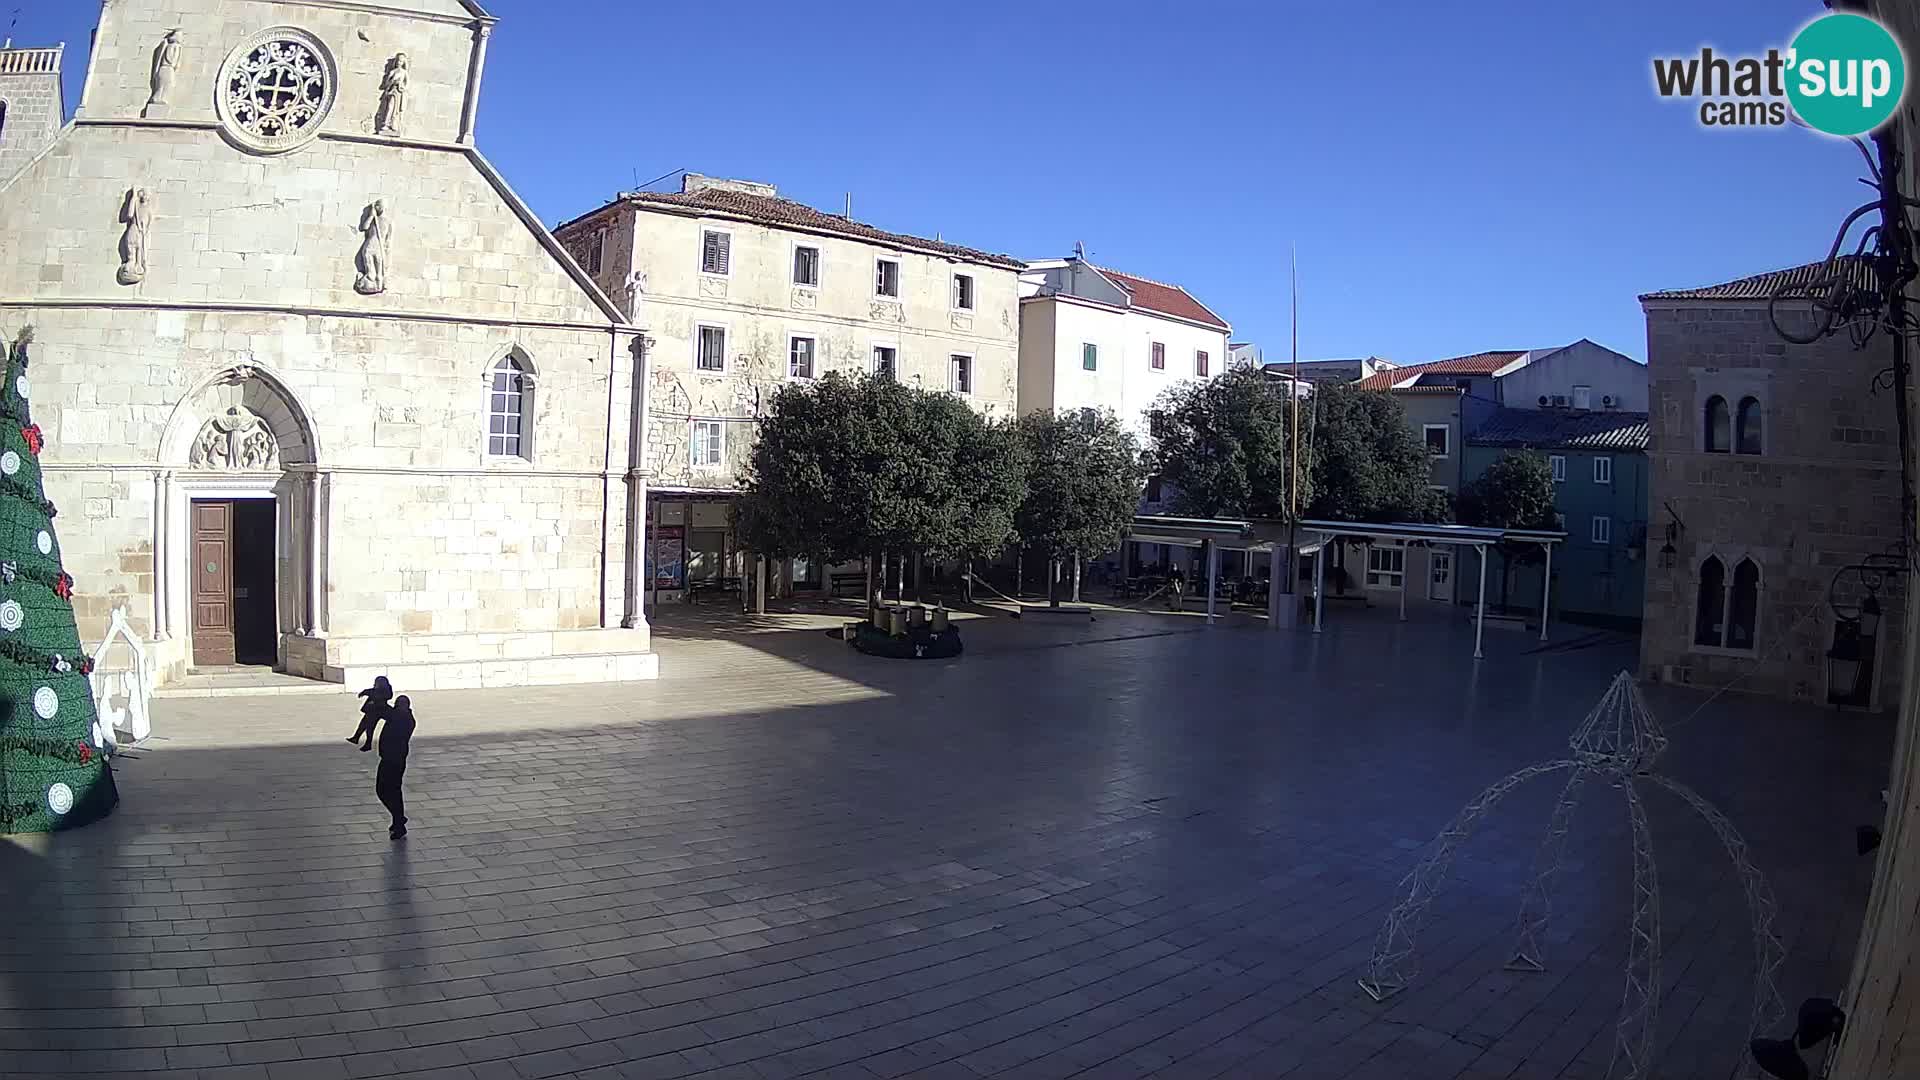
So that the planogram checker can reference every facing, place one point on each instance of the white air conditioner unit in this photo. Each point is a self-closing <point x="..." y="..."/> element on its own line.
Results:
<point x="1560" y="401"/>
<point x="1608" y="401"/>
<point x="1545" y="401"/>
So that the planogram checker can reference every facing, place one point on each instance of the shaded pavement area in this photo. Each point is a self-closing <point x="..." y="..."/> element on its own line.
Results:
<point x="1140" y="847"/>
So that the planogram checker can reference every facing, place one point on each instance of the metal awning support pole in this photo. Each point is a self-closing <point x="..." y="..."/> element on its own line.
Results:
<point x="1546" y="591"/>
<point x="1319" y="583"/>
<point x="1403" y="584"/>
<point x="1213" y="574"/>
<point x="1276" y="595"/>
<point x="1480" y="606"/>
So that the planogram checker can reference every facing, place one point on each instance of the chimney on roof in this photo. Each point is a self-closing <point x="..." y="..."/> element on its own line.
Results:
<point x="692" y="183"/>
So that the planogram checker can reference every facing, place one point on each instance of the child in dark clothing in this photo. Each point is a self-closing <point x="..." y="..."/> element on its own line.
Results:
<point x="373" y="711"/>
<point x="395" y="740"/>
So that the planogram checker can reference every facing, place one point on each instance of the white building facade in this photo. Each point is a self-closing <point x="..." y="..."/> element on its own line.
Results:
<point x="318" y="390"/>
<point x="1094" y="338"/>
<point x="743" y="292"/>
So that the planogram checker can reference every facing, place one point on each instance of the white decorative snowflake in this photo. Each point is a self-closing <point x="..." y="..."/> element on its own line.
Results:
<point x="12" y="615"/>
<point x="9" y="463"/>
<point x="45" y="703"/>
<point x="20" y="385"/>
<point x="59" y="799"/>
<point x="44" y="542"/>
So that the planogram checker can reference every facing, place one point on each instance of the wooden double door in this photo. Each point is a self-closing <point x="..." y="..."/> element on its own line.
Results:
<point x="234" y="556"/>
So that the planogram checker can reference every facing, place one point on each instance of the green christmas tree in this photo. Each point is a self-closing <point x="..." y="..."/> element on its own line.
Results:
<point x="53" y="764"/>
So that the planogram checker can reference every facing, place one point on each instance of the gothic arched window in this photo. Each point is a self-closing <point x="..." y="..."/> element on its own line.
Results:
<point x="1746" y="427"/>
<point x="510" y="409"/>
<point x="1743" y="605"/>
<point x="1719" y="428"/>
<point x="1710" y="607"/>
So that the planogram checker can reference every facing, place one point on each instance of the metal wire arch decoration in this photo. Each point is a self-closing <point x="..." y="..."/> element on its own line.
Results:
<point x="1617" y="744"/>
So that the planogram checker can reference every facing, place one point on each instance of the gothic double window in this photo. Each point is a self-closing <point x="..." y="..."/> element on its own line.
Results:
<point x="1727" y="612"/>
<point x="1733" y="430"/>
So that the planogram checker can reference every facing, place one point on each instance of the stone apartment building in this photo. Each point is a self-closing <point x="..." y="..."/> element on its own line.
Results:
<point x="32" y="103"/>
<point x="745" y="291"/>
<point x="1774" y="468"/>
<point x="318" y="390"/>
<point x="1096" y="338"/>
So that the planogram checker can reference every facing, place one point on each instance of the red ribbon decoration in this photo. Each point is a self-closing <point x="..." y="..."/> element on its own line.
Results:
<point x="32" y="434"/>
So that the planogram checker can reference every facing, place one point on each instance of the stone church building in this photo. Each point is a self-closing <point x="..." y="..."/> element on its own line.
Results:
<point x="318" y="389"/>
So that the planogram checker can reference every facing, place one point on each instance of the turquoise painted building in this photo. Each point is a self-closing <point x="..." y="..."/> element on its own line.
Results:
<point x="1599" y="463"/>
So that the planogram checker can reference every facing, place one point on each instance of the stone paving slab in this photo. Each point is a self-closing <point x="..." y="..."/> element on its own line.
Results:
<point x="1150" y="849"/>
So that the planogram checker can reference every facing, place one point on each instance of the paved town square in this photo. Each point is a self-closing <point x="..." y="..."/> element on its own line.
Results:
<point x="1143" y="846"/>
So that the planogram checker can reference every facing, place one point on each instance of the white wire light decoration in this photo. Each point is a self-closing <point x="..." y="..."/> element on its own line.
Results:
<point x="1618" y="744"/>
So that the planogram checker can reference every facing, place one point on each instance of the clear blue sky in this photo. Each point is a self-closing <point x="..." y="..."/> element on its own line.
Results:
<point x="1457" y="176"/>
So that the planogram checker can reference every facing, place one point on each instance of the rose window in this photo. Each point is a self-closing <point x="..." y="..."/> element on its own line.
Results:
<point x="276" y="89"/>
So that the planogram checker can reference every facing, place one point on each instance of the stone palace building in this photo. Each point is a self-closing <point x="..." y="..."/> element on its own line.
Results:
<point x="318" y="389"/>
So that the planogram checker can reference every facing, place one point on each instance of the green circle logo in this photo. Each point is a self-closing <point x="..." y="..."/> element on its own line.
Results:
<point x="1846" y="74"/>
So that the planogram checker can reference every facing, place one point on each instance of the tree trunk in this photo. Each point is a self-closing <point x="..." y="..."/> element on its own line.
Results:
<point x="900" y="578"/>
<point x="1076" y="577"/>
<point x="966" y="583"/>
<point x="1053" y="582"/>
<point x="873" y="594"/>
<point x="1019" y="571"/>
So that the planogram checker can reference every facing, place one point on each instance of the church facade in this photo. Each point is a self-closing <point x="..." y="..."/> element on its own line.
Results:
<point x="318" y="389"/>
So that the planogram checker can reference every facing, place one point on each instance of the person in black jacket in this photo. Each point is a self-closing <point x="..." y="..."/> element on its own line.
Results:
<point x="395" y="738"/>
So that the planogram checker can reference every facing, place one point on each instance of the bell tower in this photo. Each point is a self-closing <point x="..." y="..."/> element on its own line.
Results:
<point x="31" y="106"/>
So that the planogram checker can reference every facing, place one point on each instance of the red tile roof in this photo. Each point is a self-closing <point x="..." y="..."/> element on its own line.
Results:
<point x="1165" y="299"/>
<point x="778" y="212"/>
<point x="1482" y="363"/>
<point x="1855" y="270"/>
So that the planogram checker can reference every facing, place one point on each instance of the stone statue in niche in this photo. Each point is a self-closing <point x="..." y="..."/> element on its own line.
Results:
<point x="393" y="97"/>
<point x="636" y="288"/>
<point x="372" y="260"/>
<point x="235" y="440"/>
<point x="137" y="212"/>
<point x="166" y="64"/>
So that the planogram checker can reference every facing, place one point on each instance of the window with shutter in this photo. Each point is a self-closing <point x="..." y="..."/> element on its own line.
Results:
<point x="711" y="349"/>
<point x="714" y="252"/>
<point x="963" y="292"/>
<point x="886" y="277"/>
<point x="960" y="377"/>
<point x="1200" y="364"/>
<point x="806" y="266"/>
<point x="1157" y="356"/>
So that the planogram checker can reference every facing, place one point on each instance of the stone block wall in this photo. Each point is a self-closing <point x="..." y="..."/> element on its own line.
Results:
<point x="1824" y="494"/>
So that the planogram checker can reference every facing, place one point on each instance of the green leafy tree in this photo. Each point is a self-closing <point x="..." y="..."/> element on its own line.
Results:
<point x="1515" y="492"/>
<point x="849" y="468"/>
<point x="53" y="768"/>
<point x="1222" y="446"/>
<point x="804" y="490"/>
<point x="1368" y="465"/>
<point x="1083" y="480"/>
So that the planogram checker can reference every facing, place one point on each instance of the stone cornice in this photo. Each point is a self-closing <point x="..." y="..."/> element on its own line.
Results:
<point x="186" y="472"/>
<point x="398" y="315"/>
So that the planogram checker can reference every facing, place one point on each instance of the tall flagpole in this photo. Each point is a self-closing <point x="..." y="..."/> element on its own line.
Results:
<point x="1293" y="391"/>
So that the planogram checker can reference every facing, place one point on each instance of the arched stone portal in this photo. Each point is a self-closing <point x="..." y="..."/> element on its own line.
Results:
<point x="238" y="533"/>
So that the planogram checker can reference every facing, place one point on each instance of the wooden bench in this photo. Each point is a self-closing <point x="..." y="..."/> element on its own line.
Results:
<point x="721" y="585"/>
<point x="856" y="581"/>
